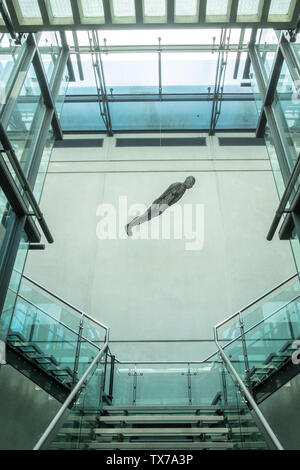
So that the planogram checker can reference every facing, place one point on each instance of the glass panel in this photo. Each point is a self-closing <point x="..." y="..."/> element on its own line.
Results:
<point x="157" y="116"/>
<point x="124" y="8"/>
<point x="10" y="57"/>
<point x="131" y="73"/>
<point x="79" y="116"/>
<point x="61" y="8"/>
<point x="217" y="8"/>
<point x="248" y="7"/>
<point x="162" y="384"/>
<point x="188" y="72"/>
<point x="154" y="7"/>
<point x="30" y="8"/>
<point x="274" y="162"/>
<point x="75" y="430"/>
<point x="288" y="111"/>
<point x="238" y="115"/>
<point x="184" y="8"/>
<point x="92" y="8"/>
<point x="24" y="122"/>
<point x="279" y="7"/>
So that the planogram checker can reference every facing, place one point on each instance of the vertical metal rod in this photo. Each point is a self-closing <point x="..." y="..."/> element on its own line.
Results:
<point x="111" y="378"/>
<point x="244" y="344"/>
<point x="77" y="353"/>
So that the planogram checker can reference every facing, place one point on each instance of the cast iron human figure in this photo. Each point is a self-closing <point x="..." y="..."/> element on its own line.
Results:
<point x="174" y="192"/>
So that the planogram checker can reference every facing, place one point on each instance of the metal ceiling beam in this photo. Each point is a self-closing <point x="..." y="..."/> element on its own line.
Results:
<point x="108" y="17"/>
<point x="45" y="15"/>
<point x="153" y="48"/>
<point x="149" y="26"/>
<point x="233" y="11"/>
<point x="170" y="11"/>
<point x="265" y="11"/>
<point x="202" y="12"/>
<point x="75" y="12"/>
<point x="139" y="12"/>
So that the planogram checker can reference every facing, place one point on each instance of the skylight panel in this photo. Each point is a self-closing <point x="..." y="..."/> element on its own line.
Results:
<point x="91" y="11"/>
<point x="249" y="10"/>
<point x="29" y="8"/>
<point x="186" y="11"/>
<point x="155" y="11"/>
<point x="60" y="11"/>
<point x="217" y="10"/>
<point x="123" y="11"/>
<point x="281" y="10"/>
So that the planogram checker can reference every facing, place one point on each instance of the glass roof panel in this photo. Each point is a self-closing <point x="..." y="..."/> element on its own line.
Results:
<point x="217" y="8"/>
<point x="92" y="8"/>
<point x="30" y="8"/>
<point x="186" y="7"/>
<point x="186" y="72"/>
<point x="61" y="8"/>
<point x="280" y="7"/>
<point x="124" y="8"/>
<point x="248" y="7"/>
<point x="132" y="73"/>
<point x="155" y="8"/>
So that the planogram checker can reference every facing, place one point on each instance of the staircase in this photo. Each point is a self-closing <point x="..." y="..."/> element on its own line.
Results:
<point x="113" y="405"/>
<point x="160" y="428"/>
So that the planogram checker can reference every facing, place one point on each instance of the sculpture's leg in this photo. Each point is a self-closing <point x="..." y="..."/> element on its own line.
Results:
<point x="153" y="211"/>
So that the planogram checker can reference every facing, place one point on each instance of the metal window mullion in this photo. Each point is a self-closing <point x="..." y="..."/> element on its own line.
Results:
<point x="76" y="13"/>
<point x="46" y="93"/>
<point x="281" y="148"/>
<point x="44" y="13"/>
<point x="9" y="17"/>
<point x="290" y="60"/>
<point x="138" y="12"/>
<point x="170" y="12"/>
<point x="265" y="11"/>
<point x="233" y="11"/>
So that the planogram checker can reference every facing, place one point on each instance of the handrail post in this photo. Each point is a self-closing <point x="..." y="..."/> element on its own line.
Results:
<point x="245" y="353"/>
<point x="111" y="377"/>
<point x="77" y="353"/>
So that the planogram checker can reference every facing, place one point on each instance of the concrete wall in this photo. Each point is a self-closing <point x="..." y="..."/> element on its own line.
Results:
<point x="25" y="409"/>
<point x="156" y="290"/>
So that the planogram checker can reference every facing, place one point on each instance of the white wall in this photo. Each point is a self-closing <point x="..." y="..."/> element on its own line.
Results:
<point x="155" y="289"/>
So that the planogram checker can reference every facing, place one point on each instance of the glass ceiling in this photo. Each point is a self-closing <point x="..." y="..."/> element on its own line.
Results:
<point x="166" y="88"/>
<point x="120" y="12"/>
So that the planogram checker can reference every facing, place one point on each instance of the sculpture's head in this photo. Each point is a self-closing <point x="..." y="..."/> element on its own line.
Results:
<point x="189" y="182"/>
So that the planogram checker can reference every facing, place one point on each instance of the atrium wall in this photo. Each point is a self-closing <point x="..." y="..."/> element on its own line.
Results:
<point x="156" y="290"/>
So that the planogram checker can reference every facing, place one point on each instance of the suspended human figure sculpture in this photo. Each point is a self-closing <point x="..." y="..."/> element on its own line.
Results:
<point x="174" y="192"/>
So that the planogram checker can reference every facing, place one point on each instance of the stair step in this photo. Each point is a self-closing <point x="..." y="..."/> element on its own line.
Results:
<point x="45" y="360"/>
<point x="167" y="409"/>
<point x="162" y="419"/>
<point x="175" y="445"/>
<point x="160" y="431"/>
<point x="15" y="336"/>
<point x="277" y="357"/>
<point x="161" y="445"/>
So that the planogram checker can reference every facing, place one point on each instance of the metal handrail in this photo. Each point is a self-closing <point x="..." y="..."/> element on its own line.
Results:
<point x="68" y="401"/>
<point x="249" y="397"/>
<point x="57" y="297"/>
<point x="255" y="301"/>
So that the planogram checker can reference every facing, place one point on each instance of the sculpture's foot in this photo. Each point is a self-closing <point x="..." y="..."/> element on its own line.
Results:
<point x="128" y="230"/>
